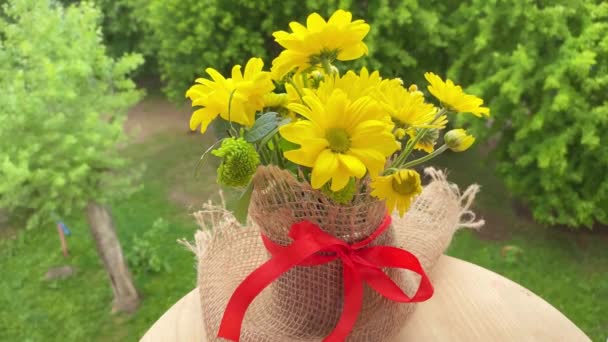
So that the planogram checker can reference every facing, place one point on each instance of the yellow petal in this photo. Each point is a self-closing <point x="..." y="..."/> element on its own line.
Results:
<point x="215" y="75"/>
<point x="340" y="18"/>
<point x="315" y="22"/>
<point x="297" y="28"/>
<point x="353" y="165"/>
<point x="339" y="181"/>
<point x="253" y="67"/>
<point x="372" y="159"/>
<point x="236" y="73"/>
<point x="352" y="52"/>
<point x="202" y="117"/>
<point x="325" y="167"/>
<point x="307" y="156"/>
<point x="300" y="109"/>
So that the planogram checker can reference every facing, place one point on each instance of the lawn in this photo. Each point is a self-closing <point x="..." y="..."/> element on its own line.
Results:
<point x="78" y="308"/>
<point x="567" y="269"/>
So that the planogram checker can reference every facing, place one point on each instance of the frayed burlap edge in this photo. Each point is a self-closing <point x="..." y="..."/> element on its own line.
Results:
<point x="214" y="219"/>
<point x="218" y="224"/>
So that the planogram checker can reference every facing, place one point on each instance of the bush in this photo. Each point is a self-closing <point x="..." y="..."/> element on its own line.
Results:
<point x="62" y="109"/>
<point x="143" y="253"/>
<point x="125" y="29"/>
<point x="544" y="65"/>
<point x="193" y="35"/>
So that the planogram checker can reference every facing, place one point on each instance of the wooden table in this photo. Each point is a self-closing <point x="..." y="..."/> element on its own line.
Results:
<point x="470" y="304"/>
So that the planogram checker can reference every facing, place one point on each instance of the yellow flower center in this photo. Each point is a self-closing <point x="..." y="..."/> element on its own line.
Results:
<point x="405" y="187"/>
<point x="338" y="139"/>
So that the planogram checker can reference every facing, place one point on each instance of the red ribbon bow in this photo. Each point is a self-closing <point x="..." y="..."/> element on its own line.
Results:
<point x="361" y="263"/>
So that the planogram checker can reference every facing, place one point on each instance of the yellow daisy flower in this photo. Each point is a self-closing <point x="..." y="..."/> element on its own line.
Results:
<point x="453" y="97"/>
<point x="295" y="88"/>
<point x="427" y="142"/>
<point x="235" y="99"/>
<point x="338" y="38"/>
<point x="407" y="108"/>
<point x="355" y="86"/>
<point x="339" y="138"/>
<point x="273" y="100"/>
<point x="398" y="189"/>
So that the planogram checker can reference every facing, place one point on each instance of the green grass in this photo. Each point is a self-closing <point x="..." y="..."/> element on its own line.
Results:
<point x="567" y="269"/>
<point x="78" y="308"/>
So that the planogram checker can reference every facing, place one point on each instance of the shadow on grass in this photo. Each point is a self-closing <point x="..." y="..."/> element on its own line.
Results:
<point x="567" y="268"/>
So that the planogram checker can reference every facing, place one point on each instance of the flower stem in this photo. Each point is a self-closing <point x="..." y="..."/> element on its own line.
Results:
<point x="426" y="158"/>
<point x="409" y="147"/>
<point x="232" y="129"/>
<point x="326" y="65"/>
<point x="304" y="76"/>
<point x="297" y="91"/>
<point x="275" y="142"/>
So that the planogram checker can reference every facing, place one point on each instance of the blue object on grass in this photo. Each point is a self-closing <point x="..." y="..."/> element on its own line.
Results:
<point x="65" y="228"/>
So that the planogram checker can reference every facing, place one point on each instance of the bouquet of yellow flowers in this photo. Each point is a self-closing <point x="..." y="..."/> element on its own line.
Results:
<point x="325" y="156"/>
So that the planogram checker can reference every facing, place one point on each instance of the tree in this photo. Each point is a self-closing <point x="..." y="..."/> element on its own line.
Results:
<point x="544" y="67"/>
<point x="62" y="108"/>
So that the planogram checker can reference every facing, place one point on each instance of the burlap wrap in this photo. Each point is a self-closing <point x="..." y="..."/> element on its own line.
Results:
<point x="306" y="302"/>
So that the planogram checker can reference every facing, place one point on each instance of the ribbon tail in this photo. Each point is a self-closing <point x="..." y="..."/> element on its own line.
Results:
<point x="385" y="256"/>
<point x="383" y="284"/>
<point x="353" y="301"/>
<point x="258" y="280"/>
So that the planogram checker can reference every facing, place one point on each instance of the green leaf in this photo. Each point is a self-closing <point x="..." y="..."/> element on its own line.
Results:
<point x="263" y="126"/>
<point x="287" y="145"/>
<point x="284" y="122"/>
<point x="242" y="205"/>
<point x="270" y="135"/>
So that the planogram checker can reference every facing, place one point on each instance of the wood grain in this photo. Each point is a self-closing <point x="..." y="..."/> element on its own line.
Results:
<point x="470" y="304"/>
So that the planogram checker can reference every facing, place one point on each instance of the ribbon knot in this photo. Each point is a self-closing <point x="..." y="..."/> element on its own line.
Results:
<point x="312" y="246"/>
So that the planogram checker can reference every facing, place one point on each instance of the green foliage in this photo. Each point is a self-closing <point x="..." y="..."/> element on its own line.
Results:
<point x="193" y="35"/>
<point x="544" y="68"/>
<point x="124" y="27"/>
<point x="143" y="253"/>
<point x="343" y="196"/>
<point x="61" y="111"/>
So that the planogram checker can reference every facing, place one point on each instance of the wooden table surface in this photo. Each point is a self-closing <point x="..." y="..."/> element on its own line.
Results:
<point x="470" y="304"/>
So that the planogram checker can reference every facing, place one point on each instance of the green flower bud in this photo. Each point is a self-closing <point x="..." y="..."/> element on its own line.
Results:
<point x="399" y="133"/>
<point x="458" y="140"/>
<point x="317" y="77"/>
<point x="239" y="162"/>
<point x="343" y="196"/>
<point x="335" y="70"/>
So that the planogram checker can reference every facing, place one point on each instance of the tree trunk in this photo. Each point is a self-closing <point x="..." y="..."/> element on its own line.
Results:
<point x="126" y="298"/>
